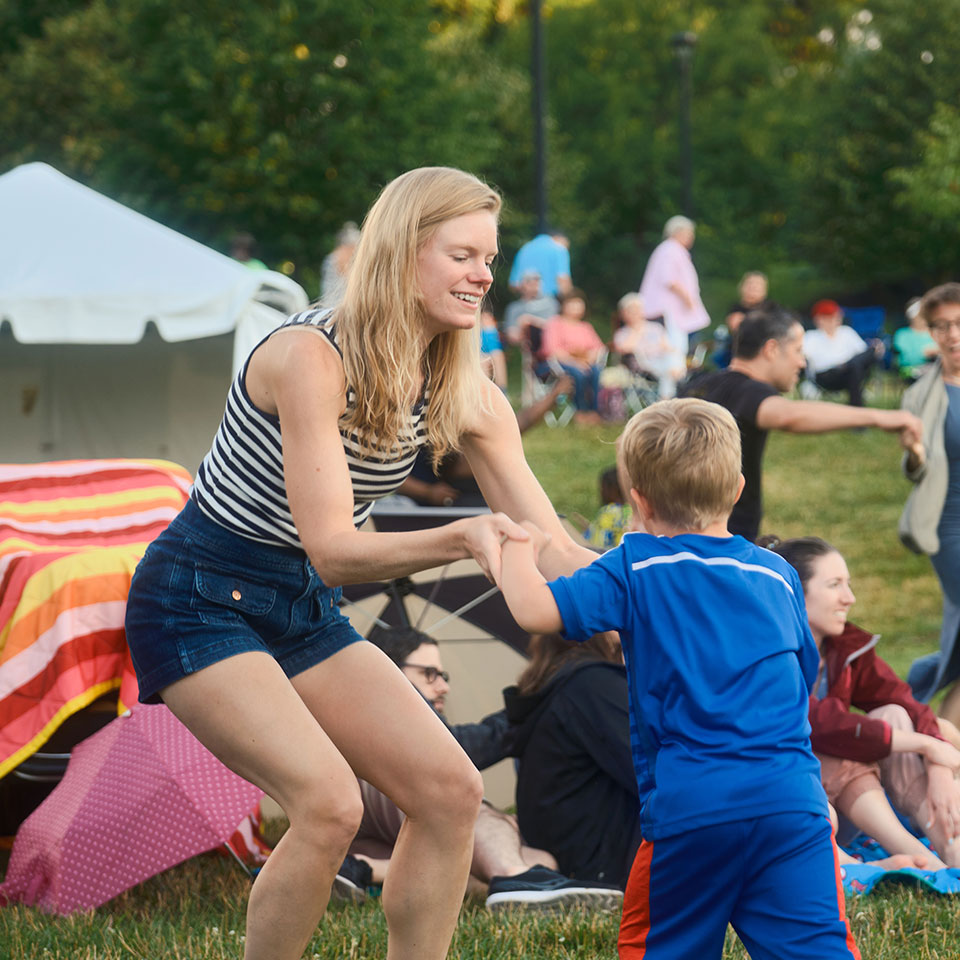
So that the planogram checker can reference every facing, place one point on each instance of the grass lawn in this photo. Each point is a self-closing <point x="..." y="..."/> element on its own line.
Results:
<point x="845" y="487"/>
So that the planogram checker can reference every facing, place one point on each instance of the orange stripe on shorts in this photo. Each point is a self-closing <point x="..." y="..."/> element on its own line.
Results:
<point x="635" y="922"/>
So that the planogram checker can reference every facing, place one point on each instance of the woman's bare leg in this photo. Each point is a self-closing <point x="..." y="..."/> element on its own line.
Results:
<point x="950" y="705"/>
<point x="246" y="712"/>
<point x="872" y="813"/>
<point x="949" y="732"/>
<point x="394" y="740"/>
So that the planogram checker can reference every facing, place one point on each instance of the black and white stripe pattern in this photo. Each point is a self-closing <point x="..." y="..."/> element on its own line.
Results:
<point x="240" y="483"/>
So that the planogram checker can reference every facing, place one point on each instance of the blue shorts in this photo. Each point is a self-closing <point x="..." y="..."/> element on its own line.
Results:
<point x="775" y="879"/>
<point x="202" y="594"/>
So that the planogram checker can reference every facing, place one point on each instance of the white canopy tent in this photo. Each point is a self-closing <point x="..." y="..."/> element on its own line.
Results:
<point x="117" y="335"/>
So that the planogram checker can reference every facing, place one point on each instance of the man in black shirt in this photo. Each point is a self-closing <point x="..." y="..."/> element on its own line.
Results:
<point x="517" y="875"/>
<point x="767" y="360"/>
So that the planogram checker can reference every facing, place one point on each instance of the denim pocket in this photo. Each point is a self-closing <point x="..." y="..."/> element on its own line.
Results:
<point x="230" y="598"/>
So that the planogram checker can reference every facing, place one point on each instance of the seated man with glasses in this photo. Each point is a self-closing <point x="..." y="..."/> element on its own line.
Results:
<point x="517" y="875"/>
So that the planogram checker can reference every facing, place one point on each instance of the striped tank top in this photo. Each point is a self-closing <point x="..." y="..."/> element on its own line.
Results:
<point x="240" y="482"/>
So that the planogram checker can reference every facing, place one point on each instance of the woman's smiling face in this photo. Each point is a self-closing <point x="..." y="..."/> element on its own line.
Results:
<point x="828" y="596"/>
<point x="454" y="271"/>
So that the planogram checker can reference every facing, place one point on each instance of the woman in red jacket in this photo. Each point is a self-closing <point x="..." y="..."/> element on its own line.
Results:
<point x="896" y="747"/>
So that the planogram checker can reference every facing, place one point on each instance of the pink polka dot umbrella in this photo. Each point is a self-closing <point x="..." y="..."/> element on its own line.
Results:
<point x="138" y="797"/>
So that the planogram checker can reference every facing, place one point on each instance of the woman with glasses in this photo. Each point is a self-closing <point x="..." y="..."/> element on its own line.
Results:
<point x="930" y="522"/>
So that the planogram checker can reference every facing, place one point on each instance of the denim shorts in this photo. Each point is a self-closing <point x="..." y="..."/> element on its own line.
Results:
<point x="202" y="594"/>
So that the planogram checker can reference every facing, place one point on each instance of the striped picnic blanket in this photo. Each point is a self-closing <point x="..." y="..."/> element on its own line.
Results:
<point x="71" y="534"/>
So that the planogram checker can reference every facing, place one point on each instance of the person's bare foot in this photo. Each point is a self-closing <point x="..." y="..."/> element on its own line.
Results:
<point x="587" y="418"/>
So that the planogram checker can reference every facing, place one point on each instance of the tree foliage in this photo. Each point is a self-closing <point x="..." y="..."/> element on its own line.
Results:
<point x="283" y="119"/>
<point x="826" y="133"/>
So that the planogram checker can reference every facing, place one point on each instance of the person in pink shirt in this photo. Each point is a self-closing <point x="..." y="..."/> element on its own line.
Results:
<point x="572" y="343"/>
<point x="671" y="287"/>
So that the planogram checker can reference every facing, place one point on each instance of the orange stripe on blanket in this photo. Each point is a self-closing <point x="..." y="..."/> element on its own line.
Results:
<point x="24" y="547"/>
<point x="65" y="583"/>
<point x="68" y="709"/>
<point x="82" y="606"/>
<point x="84" y="651"/>
<point x="94" y="505"/>
<point x="21" y="570"/>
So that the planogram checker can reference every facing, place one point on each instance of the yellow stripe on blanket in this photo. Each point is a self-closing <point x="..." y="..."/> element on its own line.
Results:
<point x="41" y="587"/>
<point x="71" y="508"/>
<point x="50" y="727"/>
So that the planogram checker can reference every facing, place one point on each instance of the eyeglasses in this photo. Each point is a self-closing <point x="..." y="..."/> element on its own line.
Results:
<point x="942" y="326"/>
<point x="430" y="674"/>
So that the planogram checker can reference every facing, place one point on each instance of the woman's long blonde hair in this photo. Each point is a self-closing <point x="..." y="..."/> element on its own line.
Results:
<point x="380" y="321"/>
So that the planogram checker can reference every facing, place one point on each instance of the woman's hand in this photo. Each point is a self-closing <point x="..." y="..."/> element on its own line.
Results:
<point x="441" y="494"/>
<point x="943" y="800"/>
<point x="916" y="455"/>
<point x="942" y="753"/>
<point x="911" y="435"/>
<point x="483" y="536"/>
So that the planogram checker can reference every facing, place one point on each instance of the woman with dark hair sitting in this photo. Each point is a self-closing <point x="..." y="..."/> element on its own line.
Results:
<point x="576" y="788"/>
<point x="898" y="748"/>
<point x="571" y="342"/>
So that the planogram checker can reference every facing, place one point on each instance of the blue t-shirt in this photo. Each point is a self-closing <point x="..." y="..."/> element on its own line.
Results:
<point x="490" y="340"/>
<point x="543" y="254"/>
<point x="720" y="662"/>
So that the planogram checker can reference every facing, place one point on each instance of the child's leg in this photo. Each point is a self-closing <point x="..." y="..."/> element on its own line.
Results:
<point x="680" y="895"/>
<point x="792" y="907"/>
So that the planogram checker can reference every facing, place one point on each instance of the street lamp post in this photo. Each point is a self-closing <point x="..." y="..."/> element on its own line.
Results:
<point x="538" y="69"/>
<point x="683" y="44"/>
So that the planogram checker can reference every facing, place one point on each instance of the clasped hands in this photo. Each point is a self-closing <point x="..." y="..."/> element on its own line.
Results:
<point x="486" y="535"/>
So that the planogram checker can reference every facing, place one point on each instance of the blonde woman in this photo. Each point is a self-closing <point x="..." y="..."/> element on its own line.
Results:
<point x="232" y="616"/>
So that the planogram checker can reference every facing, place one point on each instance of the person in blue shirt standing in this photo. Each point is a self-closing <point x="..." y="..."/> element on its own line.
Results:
<point x="720" y="662"/>
<point x="549" y="255"/>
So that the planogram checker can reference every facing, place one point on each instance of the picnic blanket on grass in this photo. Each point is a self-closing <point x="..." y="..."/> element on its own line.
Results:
<point x="71" y="534"/>
<point x="863" y="877"/>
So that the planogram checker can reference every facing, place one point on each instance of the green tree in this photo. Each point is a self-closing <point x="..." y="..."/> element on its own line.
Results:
<point x="283" y="119"/>
<point x="894" y="65"/>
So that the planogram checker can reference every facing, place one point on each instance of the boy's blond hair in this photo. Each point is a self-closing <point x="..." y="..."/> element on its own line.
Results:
<point x="684" y="457"/>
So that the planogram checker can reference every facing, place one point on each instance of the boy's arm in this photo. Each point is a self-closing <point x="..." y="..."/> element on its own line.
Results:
<point x="524" y="588"/>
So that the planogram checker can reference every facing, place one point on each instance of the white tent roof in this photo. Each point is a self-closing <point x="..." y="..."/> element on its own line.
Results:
<point x="78" y="267"/>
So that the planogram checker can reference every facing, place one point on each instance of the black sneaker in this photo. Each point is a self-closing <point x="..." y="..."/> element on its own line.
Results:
<point x="352" y="880"/>
<point x="543" y="889"/>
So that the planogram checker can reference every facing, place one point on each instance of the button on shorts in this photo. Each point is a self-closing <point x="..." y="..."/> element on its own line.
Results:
<point x="202" y="593"/>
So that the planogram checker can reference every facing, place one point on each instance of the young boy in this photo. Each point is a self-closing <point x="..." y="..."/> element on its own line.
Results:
<point x="613" y="518"/>
<point x="720" y="662"/>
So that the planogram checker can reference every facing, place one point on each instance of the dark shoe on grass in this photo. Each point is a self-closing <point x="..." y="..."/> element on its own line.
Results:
<point x="352" y="880"/>
<point x="546" y="890"/>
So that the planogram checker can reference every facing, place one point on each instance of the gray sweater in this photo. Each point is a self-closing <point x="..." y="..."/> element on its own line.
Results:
<point x="927" y="398"/>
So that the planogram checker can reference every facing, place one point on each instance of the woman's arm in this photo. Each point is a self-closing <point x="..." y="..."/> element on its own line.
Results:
<point x="874" y="684"/>
<point x="495" y="453"/>
<point x="300" y="377"/>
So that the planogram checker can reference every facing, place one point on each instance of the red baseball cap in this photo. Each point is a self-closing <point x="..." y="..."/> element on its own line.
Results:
<point x="824" y="308"/>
